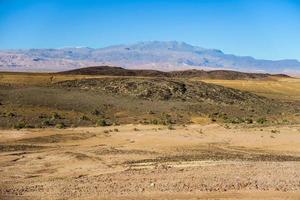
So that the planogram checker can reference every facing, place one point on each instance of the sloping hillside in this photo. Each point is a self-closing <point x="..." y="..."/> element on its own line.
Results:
<point x="167" y="89"/>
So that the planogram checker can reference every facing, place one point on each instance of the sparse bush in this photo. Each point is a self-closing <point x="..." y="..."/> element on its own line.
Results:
<point x="151" y="112"/>
<point x="47" y="122"/>
<point x="10" y="114"/>
<point x="106" y="131"/>
<point x="262" y="120"/>
<point x="154" y="121"/>
<point x="43" y="116"/>
<point x="249" y="121"/>
<point x="60" y="125"/>
<point x="144" y="121"/>
<point x="237" y="120"/>
<point x="167" y="119"/>
<point x="29" y="126"/>
<point x="116" y="130"/>
<point x="103" y="122"/>
<point x="96" y="112"/>
<point x="275" y="131"/>
<point x="285" y="121"/>
<point x="20" y="125"/>
<point x="136" y="129"/>
<point x="226" y="126"/>
<point x="217" y="115"/>
<point x="56" y="116"/>
<point x="84" y="118"/>
<point x="116" y="123"/>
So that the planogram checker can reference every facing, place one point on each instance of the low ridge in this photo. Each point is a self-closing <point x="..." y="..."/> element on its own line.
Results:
<point x="214" y="74"/>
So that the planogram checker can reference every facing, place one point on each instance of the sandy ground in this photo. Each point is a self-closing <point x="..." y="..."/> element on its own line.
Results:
<point x="151" y="162"/>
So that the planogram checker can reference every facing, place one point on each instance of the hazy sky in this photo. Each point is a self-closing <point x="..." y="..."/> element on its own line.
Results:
<point x="267" y="29"/>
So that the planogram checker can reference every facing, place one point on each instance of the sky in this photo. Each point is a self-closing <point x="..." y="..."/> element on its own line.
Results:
<point x="266" y="29"/>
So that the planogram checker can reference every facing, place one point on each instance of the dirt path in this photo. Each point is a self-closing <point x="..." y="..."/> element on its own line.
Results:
<point x="151" y="162"/>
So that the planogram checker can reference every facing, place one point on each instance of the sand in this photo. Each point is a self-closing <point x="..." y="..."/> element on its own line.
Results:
<point x="151" y="162"/>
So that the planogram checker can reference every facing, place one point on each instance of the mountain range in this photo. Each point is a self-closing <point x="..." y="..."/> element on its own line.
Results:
<point x="165" y="56"/>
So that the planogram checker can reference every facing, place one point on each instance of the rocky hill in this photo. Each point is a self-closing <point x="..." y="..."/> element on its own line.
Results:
<point x="167" y="89"/>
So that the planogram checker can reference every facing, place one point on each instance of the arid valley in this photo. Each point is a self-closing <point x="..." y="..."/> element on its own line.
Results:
<point x="149" y="100"/>
<point x="74" y="135"/>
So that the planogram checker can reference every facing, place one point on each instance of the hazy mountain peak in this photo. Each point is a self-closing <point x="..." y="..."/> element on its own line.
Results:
<point x="160" y="55"/>
<point x="158" y="45"/>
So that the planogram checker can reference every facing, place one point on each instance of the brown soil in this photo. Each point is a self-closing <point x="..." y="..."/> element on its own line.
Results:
<point x="151" y="162"/>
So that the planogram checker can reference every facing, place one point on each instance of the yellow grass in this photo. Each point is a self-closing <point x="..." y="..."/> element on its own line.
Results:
<point x="39" y="79"/>
<point x="283" y="88"/>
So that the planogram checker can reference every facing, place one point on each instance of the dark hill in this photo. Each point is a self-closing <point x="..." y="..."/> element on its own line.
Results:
<point x="115" y="71"/>
<point x="215" y="74"/>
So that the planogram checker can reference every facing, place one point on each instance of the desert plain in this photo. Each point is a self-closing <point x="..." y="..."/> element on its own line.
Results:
<point x="159" y="147"/>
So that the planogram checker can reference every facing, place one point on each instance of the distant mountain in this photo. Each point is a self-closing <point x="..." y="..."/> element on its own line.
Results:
<point x="165" y="56"/>
<point x="214" y="74"/>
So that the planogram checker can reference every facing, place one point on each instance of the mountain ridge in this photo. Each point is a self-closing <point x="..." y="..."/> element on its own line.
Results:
<point x="163" y="56"/>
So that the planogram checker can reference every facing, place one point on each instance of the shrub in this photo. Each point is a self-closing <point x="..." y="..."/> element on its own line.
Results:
<point x="262" y="120"/>
<point x="144" y="121"/>
<point x="20" y="125"/>
<point x="116" y="130"/>
<point x="84" y="118"/>
<point x="275" y="131"/>
<point x="116" y="123"/>
<point x="47" y="122"/>
<point x="29" y="126"/>
<point x="151" y="112"/>
<point x="11" y="114"/>
<point x="249" y="121"/>
<point x="60" y="125"/>
<point x="167" y="119"/>
<point x="42" y="116"/>
<point x="56" y="116"/>
<point x="285" y="121"/>
<point x="154" y="121"/>
<point x="96" y="112"/>
<point x="102" y="122"/>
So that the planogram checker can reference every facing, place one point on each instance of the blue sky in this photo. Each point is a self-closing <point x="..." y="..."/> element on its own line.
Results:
<point x="268" y="29"/>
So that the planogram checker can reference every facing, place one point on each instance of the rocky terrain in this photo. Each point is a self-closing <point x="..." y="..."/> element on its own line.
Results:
<point x="167" y="89"/>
